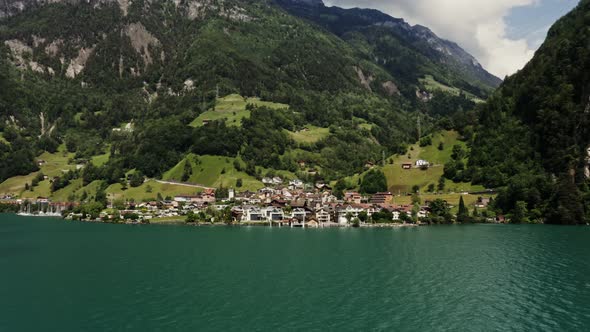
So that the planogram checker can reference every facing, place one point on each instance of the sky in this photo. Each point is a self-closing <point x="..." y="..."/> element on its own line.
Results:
<point x="502" y="34"/>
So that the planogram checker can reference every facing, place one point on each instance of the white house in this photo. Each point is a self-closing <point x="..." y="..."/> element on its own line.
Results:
<point x="354" y="211"/>
<point x="422" y="163"/>
<point x="323" y="217"/>
<point x="297" y="184"/>
<point x="253" y="214"/>
<point x="274" y="214"/>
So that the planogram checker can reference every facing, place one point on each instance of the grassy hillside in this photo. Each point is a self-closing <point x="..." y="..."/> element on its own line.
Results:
<point x="212" y="171"/>
<point x="402" y="180"/>
<point x="232" y="109"/>
<point x="310" y="134"/>
<point x="433" y="85"/>
<point x="149" y="191"/>
<point x="55" y="165"/>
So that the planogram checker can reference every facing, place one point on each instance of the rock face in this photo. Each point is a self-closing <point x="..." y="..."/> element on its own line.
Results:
<point x="10" y="8"/>
<point x="364" y="80"/>
<point x="142" y="40"/>
<point x="77" y="64"/>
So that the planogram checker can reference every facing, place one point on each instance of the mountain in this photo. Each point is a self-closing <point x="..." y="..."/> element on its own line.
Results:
<point x="534" y="132"/>
<point x="408" y="52"/>
<point x="142" y="85"/>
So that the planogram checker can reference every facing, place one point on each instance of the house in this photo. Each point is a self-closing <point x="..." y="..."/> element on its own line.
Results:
<point x="296" y="184"/>
<point x="277" y="180"/>
<point x="422" y="163"/>
<point x="299" y="214"/>
<point x="482" y="202"/>
<point x="349" y="211"/>
<point x="381" y="198"/>
<point x="206" y="122"/>
<point x="369" y="165"/>
<point x="353" y="197"/>
<point x="253" y="214"/>
<point x="323" y="216"/>
<point x="266" y="180"/>
<point x="42" y="200"/>
<point x="274" y="214"/>
<point x="407" y="166"/>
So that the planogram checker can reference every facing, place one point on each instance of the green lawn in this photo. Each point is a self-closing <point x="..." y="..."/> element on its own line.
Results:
<point x="433" y="85"/>
<point x="100" y="159"/>
<point x="232" y="108"/>
<point x="141" y="193"/>
<point x="175" y="219"/>
<point x="213" y="171"/>
<point x="56" y="163"/>
<point x="452" y="199"/>
<point x="310" y="134"/>
<point x="16" y="184"/>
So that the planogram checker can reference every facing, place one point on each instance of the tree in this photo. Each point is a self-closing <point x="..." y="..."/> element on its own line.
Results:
<point x="458" y="152"/>
<point x="191" y="217"/>
<point x="239" y="183"/>
<point x="519" y="213"/>
<point x="137" y="179"/>
<point x="431" y="187"/>
<point x="188" y="171"/>
<point x="373" y="182"/>
<point x="415" y="189"/>
<point x="221" y="193"/>
<point x="363" y="216"/>
<point x="441" y="146"/>
<point x="441" y="184"/>
<point x="463" y="214"/>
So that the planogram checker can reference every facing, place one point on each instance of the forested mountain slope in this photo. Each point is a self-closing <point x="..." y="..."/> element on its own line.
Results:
<point x="534" y="131"/>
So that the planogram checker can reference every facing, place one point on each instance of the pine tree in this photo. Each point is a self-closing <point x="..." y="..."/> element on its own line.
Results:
<point x="463" y="214"/>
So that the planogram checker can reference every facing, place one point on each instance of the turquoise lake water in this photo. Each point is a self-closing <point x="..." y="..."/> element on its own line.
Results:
<point x="70" y="276"/>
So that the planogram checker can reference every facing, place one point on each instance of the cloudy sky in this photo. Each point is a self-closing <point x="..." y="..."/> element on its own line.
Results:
<point x="502" y="34"/>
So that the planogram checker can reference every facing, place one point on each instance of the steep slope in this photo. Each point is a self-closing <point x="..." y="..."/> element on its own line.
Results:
<point x="534" y="133"/>
<point x="407" y="52"/>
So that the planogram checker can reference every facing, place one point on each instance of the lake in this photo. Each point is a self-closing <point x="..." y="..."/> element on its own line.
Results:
<point x="57" y="275"/>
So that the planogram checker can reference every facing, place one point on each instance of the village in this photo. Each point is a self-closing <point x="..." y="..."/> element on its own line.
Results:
<point x="290" y="203"/>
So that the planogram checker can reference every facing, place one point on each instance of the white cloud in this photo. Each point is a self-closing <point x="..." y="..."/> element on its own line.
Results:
<point x="478" y="26"/>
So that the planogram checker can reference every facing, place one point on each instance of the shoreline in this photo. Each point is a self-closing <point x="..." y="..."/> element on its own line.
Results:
<point x="236" y="224"/>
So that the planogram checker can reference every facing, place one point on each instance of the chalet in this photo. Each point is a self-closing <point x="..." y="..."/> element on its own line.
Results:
<point x="482" y="202"/>
<point x="277" y="180"/>
<point x="369" y="165"/>
<point x="267" y="180"/>
<point x="206" y="122"/>
<point x="42" y="200"/>
<point x="422" y="163"/>
<point x="353" y="197"/>
<point x="407" y="166"/>
<point x="381" y="198"/>
<point x="41" y="162"/>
